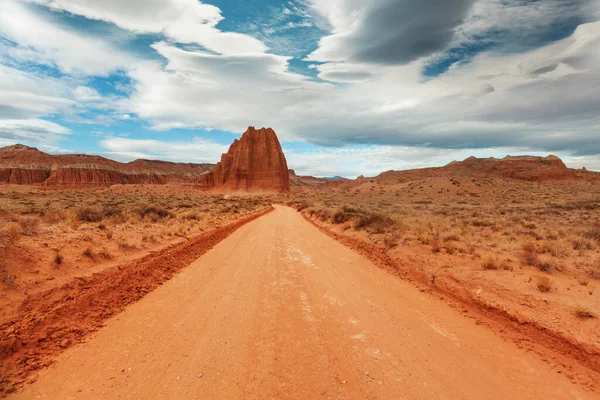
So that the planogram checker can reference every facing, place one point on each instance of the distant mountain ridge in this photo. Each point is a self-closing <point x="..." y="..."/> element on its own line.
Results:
<point x="20" y="164"/>
<point x="524" y="168"/>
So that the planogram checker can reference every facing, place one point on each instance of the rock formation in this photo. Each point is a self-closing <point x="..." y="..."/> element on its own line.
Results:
<point x="25" y="165"/>
<point x="529" y="168"/>
<point x="254" y="163"/>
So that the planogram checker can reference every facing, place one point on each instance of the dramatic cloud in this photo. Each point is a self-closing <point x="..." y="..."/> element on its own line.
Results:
<point x="388" y="80"/>
<point x="388" y="31"/>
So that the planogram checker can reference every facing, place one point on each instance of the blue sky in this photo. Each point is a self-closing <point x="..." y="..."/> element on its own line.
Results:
<point x="351" y="87"/>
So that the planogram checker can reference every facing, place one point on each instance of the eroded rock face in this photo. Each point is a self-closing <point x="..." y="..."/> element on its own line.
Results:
<point x="529" y="168"/>
<point x="23" y="165"/>
<point x="254" y="163"/>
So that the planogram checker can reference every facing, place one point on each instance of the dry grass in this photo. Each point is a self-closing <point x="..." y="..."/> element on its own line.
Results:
<point x="549" y="227"/>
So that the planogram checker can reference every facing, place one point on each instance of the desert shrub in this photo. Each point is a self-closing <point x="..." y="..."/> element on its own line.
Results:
<point x="323" y="214"/>
<point x="582" y="244"/>
<point x="105" y="254"/>
<point x="490" y="264"/>
<point x="545" y="265"/>
<point x="58" y="259"/>
<point x="11" y="233"/>
<point x="90" y="214"/>
<point x="557" y="249"/>
<point x="52" y="217"/>
<point x="9" y="280"/>
<point x="390" y="242"/>
<point x="340" y="217"/>
<point x="89" y="253"/>
<point x="350" y="209"/>
<point x="191" y="216"/>
<point x="593" y="233"/>
<point x="374" y="222"/>
<point x="436" y="245"/>
<point x="544" y="284"/>
<point x="583" y="312"/>
<point x="155" y="213"/>
<point x="583" y="281"/>
<point x="481" y="223"/>
<point x="29" y="225"/>
<point x="302" y="205"/>
<point x="452" y="238"/>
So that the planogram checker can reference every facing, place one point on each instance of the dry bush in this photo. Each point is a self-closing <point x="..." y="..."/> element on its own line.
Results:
<point x="29" y="225"/>
<point x="191" y="216"/>
<point x="583" y="281"/>
<point x="89" y="253"/>
<point x="374" y="222"/>
<point x="301" y="206"/>
<point x="544" y="284"/>
<point x="89" y="214"/>
<point x="545" y="265"/>
<point x="105" y="254"/>
<point x="490" y="264"/>
<point x="581" y="243"/>
<point x="53" y="217"/>
<point x="436" y="245"/>
<point x="593" y="233"/>
<point x="153" y="213"/>
<point x="11" y="233"/>
<point x="323" y="214"/>
<point x="391" y="241"/>
<point x="9" y="280"/>
<point x="583" y="312"/>
<point x="556" y="248"/>
<point x="123" y="245"/>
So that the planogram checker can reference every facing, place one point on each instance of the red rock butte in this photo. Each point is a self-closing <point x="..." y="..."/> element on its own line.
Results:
<point x="254" y="163"/>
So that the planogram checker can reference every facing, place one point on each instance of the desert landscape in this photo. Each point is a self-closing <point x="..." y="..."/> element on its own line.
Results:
<point x="299" y="199"/>
<point x="508" y="250"/>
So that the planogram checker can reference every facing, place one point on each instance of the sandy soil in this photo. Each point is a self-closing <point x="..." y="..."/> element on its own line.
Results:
<point x="280" y="310"/>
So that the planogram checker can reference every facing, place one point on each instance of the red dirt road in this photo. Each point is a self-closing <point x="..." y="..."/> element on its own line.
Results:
<point x="281" y="311"/>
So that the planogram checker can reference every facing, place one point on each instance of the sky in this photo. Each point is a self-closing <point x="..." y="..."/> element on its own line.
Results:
<point x="350" y="86"/>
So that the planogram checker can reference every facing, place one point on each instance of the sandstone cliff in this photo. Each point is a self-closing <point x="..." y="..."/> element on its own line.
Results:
<point x="254" y="163"/>
<point x="21" y="165"/>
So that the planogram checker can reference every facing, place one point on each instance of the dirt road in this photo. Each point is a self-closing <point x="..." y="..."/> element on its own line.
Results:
<point x="280" y="311"/>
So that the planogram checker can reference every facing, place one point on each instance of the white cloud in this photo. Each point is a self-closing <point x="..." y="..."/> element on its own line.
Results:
<point x="46" y="42"/>
<point x="31" y="131"/>
<point x="552" y="111"/>
<point x="26" y="95"/>
<point x="230" y="92"/>
<point x="183" y="21"/>
<point x="197" y="150"/>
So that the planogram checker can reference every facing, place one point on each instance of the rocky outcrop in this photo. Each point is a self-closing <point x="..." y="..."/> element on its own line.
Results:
<point x="254" y="163"/>
<point x="23" y="165"/>
<point x="529" y="168"/>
